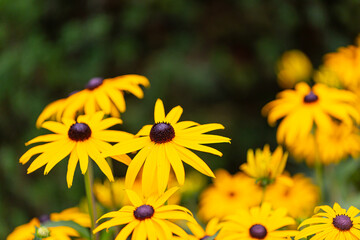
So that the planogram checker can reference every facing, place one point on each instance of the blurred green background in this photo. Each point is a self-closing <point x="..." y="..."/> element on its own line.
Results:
<point x="214" y="58"/>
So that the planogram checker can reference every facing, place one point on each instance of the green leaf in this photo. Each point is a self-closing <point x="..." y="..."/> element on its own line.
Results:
<point x="83" y="232"/>
<point x="213" y="236"/>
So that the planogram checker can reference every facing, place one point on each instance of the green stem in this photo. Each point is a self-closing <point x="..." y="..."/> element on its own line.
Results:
<point x="89" y="179"/>
<point x="263" y="194"/>
<point x="319" y="174"/>
<point x="112" y="195"/>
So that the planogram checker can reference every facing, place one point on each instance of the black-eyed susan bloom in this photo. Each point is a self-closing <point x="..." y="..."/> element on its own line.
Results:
<point x="305" y="107"/>
<point x="81" y="139"/>
<point x="27" y="231"/>
<point x="148" y="219"/>
<point x="100" y="94"/>
<point x="265" y="166"/>
<point x="166" y="144"/>
<point x="257" y="223"/>
<point x="331" y="223"/>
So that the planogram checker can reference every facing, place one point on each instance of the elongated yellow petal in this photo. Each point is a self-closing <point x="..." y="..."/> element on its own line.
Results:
<point x="163" y="168"/>
<point x="159" y="112"/>
<point x="55" y="127"/>
<point x="163" y="198"/>
<point x="150" y="229"/>
<point x="108" y="122"/>
<point x="103" y="101"/>
<point x="193" y="145"/>
<point x="145" y="131"/>
<point x="99" y="160"/>
<point x="203" y="128"/>
<point x="174" y="115"/>
<point x="127" y="146"/>
<point x="134" y="198"/>
<point x="90" y="106"/>
<point x="175" y="162"/>
<point x="64" y="151"/>
<point x="113" y="135"/>
<point x="149" y="171"/>
<point x="73" y="160"/>
<point x="45" y="138"/>
<point x="117" y="98"/>
<point x="204" y="138"/>
<point x="162" y="227"/>
<point x="35" y="150"/>
<point x="177" y="230"/>
<point x="167" y="208"/>
<point x="118" y="220"/>
<point x="83" y="156"/>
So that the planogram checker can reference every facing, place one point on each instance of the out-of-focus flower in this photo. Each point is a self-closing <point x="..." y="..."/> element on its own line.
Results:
<point x="87" y="137"/>
<point x="345" y="64"/>
<point x="147" y="219"/>
<point x="27" y="231"/>
<point x="228" y="193"/>
<point x="166" y="144"/>
<point x="106" y="95"/>
<point x="265" y="166"/>
<point x="199" y="233"/>
<point x="299" y="198"/>
<point x="257" y="223"/>
<point x="305" y="107"/>
<point x="331" y="223"/>
<point x="332" y="146"/>
<point x="327" y="77"/>
<point x="294" y="66"/>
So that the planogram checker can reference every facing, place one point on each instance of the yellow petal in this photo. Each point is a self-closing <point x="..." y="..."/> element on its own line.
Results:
<point x="159" y="112"/>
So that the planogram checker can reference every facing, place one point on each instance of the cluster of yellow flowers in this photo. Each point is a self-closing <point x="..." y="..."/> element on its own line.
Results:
<point x="262" y="201"/>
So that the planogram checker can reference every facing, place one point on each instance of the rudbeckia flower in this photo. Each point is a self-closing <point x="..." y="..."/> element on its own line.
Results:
<point x="198" y="232"/>
<point x="331" y="223"/>
<point x="228" y="192"/>
<point x="293" y="67"/>
<point x="305" y="107"/>
<point x="299" y="198"/>
<point x="81" y="139"/>
<point x="265" y="166"/>
<point x="106" y="95"/>
<point x="27" y="231"/>
<point x="147" y="219"/>
<point x="258" y="223"/>
<point x="166" y="144"/>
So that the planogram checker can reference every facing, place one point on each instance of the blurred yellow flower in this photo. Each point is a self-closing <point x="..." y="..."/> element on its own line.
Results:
<point x="257" y="223"/>
<point x="27" y="231"/>
<point x="228" y="192"/>
<point x="303" y="107"/>
<point x="345" y="64"/>
<point x="332" y="146"/>
<point x="166" y="144"/>
<point x="294" y="66"/>
<point x="299" y="198"/>
<point x="265" y="166"/>
<point x="106" y="95"/>
<point x="331" y="223"/>
<point x="327" y="77"/>
<point x="199" y="233"/>
<point x="84" y="138"/>
<point x="147" y="219"/>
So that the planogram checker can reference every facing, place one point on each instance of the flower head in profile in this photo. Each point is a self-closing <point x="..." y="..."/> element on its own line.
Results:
<point x="293" y="67"/>
<point x="332" y="146"/>
<point x="27" y="231"/>
<point x="299" y="198"/>
<point x="258" y="223"/>
<point x="164" y="145"/>
<point x="199" y="233"/>
<point x="106" y="95"/>
<point x="147" y="219"/>
<point x="331" y="223"/>
<point x="305" y="107"/>
<point x="328" y="77"/>
<point x="81" y="139"/>
<point x="228" y="192"/>
<point x="265" y="166"/>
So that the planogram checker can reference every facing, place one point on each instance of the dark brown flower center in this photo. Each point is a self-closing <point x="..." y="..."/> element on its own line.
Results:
<point x="94" y="83"/>
<point x="162" y="132"/>
<point x="79" y="132"/>
<point x="258" y="231"/>
<point x="144" y="212"/>
<point x="311" y="97"/>
<point x="342" y="222"/>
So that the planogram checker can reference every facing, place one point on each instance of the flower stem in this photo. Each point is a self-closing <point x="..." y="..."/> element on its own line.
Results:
<point x="112" y="195"/>
<point x="89" y="179"/>
<point x="263" y="194"/>
<point x="319" y="173"/>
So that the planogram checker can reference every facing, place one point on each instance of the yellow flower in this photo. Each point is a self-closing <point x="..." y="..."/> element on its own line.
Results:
<point x="228" y="193"/>
<point x="147" y="219"/>
<point x="303" y="107"/>
<point x="294" y="66"/>
<point x="331" y="223"/>
<point x="344" y="63"/>
<point x="166" y="144"/>
<point x="106" y="95"/>
<point x="211" y="229"/>
<point x="27" y="231"/>
<point x="87" y="137"/>
<point x="340" y="142"/>
<point x="257" y="223"/>
<point x="299" y="198"/>
<point x="264" y="166"/>
<point x="327" y="77"/>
